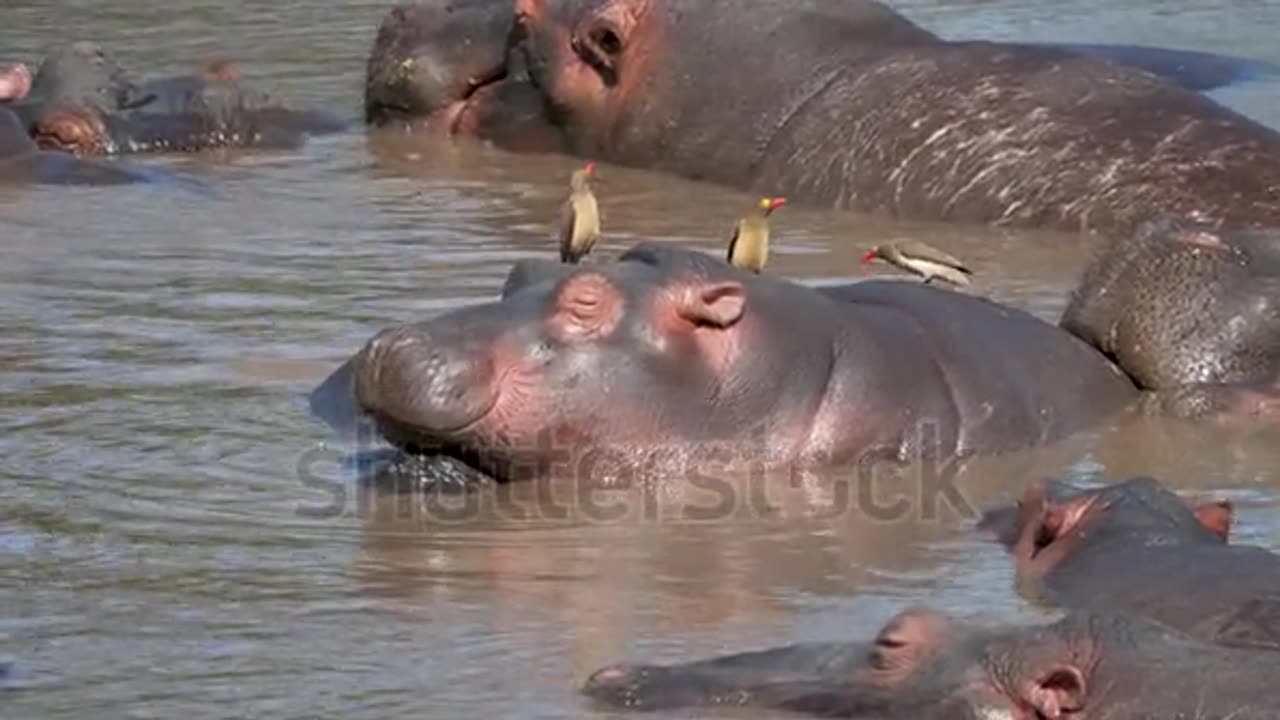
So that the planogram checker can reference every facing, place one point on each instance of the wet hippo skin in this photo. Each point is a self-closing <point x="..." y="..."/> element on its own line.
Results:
<point x="1188" y="311"/>
<point x="1137" y="548"/>
<point x="927" y="666"/>
<point x="673" y="351"/>
<point x="865" y="110"/>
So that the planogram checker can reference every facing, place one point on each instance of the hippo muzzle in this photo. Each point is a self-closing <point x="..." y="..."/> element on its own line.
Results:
<point x="431" y="60"/>
<point x="425" y="384"/>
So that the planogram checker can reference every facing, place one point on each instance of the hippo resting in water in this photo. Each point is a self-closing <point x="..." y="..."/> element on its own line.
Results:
<point x="1190" y="311"/>
<point x="22" y="162"/>
<point x="83" y="101"/>
<point x="843" y="103"/>
<point x="926" y="666"/>
<point x="1137" y="548"/>
<point x="673" y="352"/>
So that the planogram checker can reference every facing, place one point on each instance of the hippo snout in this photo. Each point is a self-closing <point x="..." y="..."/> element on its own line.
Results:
<point x="430" y="57"/>
<point x="425" y="383"/>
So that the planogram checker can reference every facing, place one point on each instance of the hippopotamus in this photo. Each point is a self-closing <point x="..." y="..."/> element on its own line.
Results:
<point x="84" y="101"/>
<point x="431" y="60"/>
<point x="840" y="103"/>
<point x="1189" y="310"/>
<point x="21" y="161"/>
<point x="1137" y="548"/>
<point x="924" y="665"/>
<point x="668" y="351"/>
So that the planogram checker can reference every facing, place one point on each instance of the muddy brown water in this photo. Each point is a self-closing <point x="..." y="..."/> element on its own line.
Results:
<point x="177" y="540"/>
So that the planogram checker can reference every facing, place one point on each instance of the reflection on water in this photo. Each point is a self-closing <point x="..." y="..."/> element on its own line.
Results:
<point x="177" y="537"/>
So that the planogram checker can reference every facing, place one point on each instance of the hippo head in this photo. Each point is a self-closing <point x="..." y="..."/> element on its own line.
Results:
<point x="621" y="74"/>
<point x="1053" y="519"/>
<point x="923" y="665"/>
<point x="443" y="65"/>
<point x="85" y="73"/>
<point x="663" y="353"/>
<point x="15" y="81"/>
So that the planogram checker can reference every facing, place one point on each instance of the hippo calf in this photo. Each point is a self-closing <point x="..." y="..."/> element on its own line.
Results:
<point x="82" y="100"/>
<point x="1189" y="310"/>
<point x="671" y="352"/>
<point x="1137" y="548"/>
<point x="927" y="666"/>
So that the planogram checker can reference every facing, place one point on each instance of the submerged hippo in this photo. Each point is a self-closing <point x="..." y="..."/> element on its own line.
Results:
<point x="671" y="352"/>
<point x="83" y="101"/>
<point x="927" y="666"/>
<point x="21" y="161"/>
<point x="1137" y="548"/>
<point x="843" y="103"/>
<point x="1188" y="310"/>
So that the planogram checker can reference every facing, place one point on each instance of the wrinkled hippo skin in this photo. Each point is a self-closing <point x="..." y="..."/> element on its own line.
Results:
<point x="672" y="352"/>
<point x="927" y="666"/>
<point x="22" y="162"/>
<point x="83" y="101"/>
<point x="1187" y="311"/>
<point x="1137" y="548"/>
<point x="866" y="111"/>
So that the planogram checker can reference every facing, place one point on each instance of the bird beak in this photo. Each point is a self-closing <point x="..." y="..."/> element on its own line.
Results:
<point x="590" y="169"/>
<point x="775" y="203"/>
<point x="869" y="257"/>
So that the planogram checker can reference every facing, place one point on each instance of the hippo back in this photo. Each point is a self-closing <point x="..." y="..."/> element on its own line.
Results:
<point x="1006" y="369"/>
<point x="1183" y="304"/>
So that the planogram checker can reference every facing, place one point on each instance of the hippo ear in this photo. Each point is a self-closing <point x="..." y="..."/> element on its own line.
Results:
<point x="1216" y="516"/>
<point x="718" y="304"/>
<point x="1058" y="692"/>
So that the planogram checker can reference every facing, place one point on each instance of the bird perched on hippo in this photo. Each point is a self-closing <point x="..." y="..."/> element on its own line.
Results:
<point x="671" y="352"/>
<point x="579" y="217"/>
<point x="854" y="106"/>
